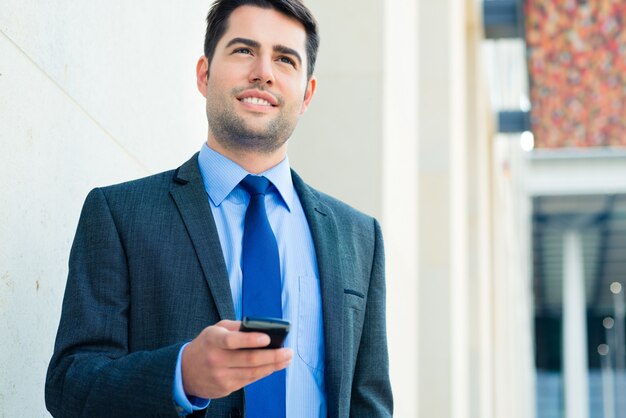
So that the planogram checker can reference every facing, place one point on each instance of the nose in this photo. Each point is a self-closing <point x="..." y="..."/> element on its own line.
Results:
<point x="261" y="71"/>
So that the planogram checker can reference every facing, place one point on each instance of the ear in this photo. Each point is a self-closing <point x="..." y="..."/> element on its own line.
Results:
<point x="202" y="74"/>
<point x="308" y="94"/>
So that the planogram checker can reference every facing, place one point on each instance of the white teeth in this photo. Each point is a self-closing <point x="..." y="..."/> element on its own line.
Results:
<point x="256" y="100"/>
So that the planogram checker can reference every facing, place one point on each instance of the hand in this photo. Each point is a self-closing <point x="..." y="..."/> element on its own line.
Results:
<point x="214" y="366"/>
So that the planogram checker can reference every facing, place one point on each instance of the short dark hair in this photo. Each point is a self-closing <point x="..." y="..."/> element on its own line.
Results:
<point x="217" y="23"/>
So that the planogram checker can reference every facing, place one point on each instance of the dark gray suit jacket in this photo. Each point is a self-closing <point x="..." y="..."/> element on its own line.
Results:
<point x="146" y="274"/>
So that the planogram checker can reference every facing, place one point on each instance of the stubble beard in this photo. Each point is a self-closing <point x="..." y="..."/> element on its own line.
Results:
<point x="232" y="132"/>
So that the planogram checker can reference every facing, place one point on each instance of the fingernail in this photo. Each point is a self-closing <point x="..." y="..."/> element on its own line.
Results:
<point x="263" y="340"/>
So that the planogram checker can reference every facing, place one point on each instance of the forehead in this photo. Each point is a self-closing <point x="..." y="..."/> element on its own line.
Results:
<point x="269" y="27"/>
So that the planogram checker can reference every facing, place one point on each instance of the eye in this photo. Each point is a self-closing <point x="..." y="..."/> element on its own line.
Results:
<point x="242" y="51"/>
<point x="287" y="60"/>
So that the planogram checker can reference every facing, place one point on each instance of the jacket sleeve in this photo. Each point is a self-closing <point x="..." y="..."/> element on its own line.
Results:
<point x="92" y="373"/>
<point x="371" y="389"/>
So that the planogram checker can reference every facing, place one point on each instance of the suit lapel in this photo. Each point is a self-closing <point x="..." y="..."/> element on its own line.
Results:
<point x="323" y="226"/>
<point x="192" y="202"/>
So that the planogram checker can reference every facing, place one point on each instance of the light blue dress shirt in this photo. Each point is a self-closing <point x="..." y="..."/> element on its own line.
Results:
<point x="301" y="296"/>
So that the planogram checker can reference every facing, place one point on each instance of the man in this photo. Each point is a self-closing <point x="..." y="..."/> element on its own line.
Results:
<point x="163" y="268"/>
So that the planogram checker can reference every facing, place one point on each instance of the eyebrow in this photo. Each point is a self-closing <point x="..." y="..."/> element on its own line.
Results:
<point x="288" y="51"/>
<point x="254" y="44"/>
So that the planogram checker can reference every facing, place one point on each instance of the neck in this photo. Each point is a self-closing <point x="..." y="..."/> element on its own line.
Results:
<point x="251" y="161"/>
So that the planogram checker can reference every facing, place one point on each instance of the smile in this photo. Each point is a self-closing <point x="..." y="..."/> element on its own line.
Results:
<point x="256" y="101"/>
<point x="259" y="98"/>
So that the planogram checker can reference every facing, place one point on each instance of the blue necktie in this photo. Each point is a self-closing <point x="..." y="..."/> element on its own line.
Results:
<point x="265" y="398"/>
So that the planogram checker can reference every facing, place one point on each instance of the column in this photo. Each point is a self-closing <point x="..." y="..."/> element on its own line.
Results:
<point x="443" y="311"/>
<point x="575" y="367"/>
<point x="619" y="346"/>
<point x="400" y="200"/>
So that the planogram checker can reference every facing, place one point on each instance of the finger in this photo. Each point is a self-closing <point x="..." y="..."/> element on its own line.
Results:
<point x="235" y="340"/>
<point x="245" y="376"/>
<point x="283" y="365"/>
<point x="257" y="358"/>
<point x="229" y="325"/>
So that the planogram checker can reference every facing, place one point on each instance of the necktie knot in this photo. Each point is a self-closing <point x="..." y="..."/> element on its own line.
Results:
<point x="255" y="185"/>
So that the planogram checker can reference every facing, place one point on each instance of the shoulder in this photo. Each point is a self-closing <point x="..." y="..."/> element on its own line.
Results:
<point x="152" y="184"/>
<point x="344" y="211"/>
<point x="130" y="197"/>
<point x="151" y="189"/>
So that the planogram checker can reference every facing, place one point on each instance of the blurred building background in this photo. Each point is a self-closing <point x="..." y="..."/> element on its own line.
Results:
<point x="485" y="135"/>
<point x="559" y="87"/>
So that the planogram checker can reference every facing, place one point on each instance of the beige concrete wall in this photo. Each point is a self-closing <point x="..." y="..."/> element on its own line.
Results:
<point x="475" y="353"/>
<point x="338" y="143"/>
<point x="400" y="199"/>
<point x="91" y="93"/>
<point x="442" y="273"/>
<point x="513" y="353"/>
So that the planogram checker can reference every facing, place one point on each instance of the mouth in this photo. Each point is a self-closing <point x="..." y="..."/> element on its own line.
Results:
<point x="256" y="101"/>
<point x="258" y="98"/>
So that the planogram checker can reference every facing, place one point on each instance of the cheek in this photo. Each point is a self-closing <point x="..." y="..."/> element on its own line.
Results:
<point x="218" y="86"/>
<point x="224" y="76"/>
<point x="297" y="91"/>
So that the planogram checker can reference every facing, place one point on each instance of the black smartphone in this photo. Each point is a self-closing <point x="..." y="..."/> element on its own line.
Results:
<point x="276" y="328"/>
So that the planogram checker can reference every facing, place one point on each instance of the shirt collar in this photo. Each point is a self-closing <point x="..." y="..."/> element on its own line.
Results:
<point x="221" y="176"/>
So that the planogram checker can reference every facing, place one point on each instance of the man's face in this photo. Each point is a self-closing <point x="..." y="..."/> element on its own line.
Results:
<point x="257" y="83"/>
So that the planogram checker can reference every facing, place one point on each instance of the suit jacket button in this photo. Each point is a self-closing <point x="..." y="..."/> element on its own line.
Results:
<point x="235" y="413"/>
